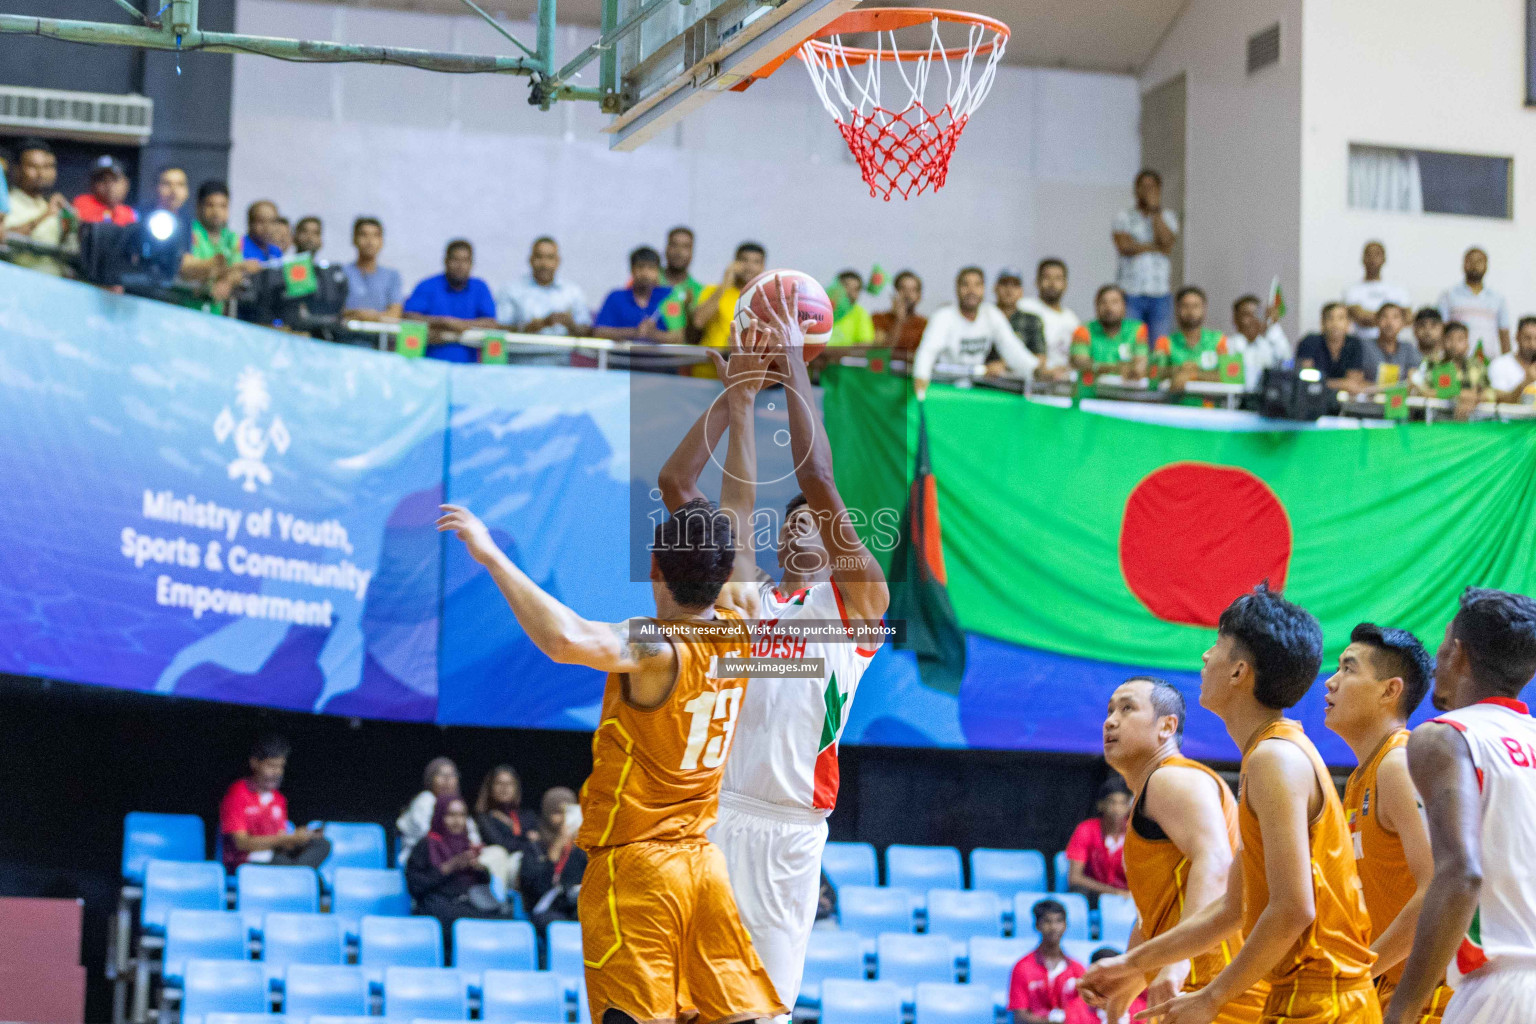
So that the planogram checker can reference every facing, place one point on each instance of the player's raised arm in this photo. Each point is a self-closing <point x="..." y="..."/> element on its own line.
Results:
<point x="1443" y="771"/>
<point x="555" y="629"/>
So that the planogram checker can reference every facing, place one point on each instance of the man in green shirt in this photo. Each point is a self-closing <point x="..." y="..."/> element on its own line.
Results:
<point x="851" y="324"/>
<point x="675" y="275"/>
<point x="1193" y="351"/>
<point x="1111" y="343"/>
<point x="215" y="251"/>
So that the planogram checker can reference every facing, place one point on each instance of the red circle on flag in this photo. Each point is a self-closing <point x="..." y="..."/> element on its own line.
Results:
<point x="1196" y="536"/>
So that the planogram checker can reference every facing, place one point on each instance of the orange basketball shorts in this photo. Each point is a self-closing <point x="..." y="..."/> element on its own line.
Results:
<point x="1432" y="1012"/>
<point x="1247" y="1008"/>
<point x="1312" y="1003"/>
<point x="662" y="940"/>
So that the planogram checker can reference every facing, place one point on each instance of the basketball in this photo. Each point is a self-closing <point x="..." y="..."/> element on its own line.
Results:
<point x="761" y="297"/>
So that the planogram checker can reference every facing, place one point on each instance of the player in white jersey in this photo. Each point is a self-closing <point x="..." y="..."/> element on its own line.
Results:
<point x="1475" y="768"/>
<point x="781" y="778"/>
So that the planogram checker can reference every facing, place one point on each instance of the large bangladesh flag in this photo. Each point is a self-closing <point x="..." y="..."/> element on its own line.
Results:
<point x="1121" y="541"/>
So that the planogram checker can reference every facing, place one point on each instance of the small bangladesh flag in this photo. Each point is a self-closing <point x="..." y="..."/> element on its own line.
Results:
<point x="1446" y="380"/>
<point x="877" y="280"/>
<point x="1276" y="297"/>
<point x="674" y="311"/>
<point x="299" y="276"/>
<point x="1395" y="402"/>
<point x="411" y="339"/>
<point x="1230" y="369"/>
<point x="493" y="348"/>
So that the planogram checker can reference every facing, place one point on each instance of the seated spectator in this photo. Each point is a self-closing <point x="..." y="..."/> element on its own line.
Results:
<point x="499" y="810"/>
<point x="540" y="302"/>
<point x="851" y="323"/>
<point x="253" y="817"/>
<point x="215" y="250"/>
<point x="553" y="866"/>
<point x="712" y="317"/>
<point x="1139" y="1003"/>
<point x="1193" y="351"/>
<point x="36" y="207"/>
<point x="451" y="302"/>
<point x="1008" y="289"/>
<point x="443" y="872"/>
<point x="1467" y="375"/>
<point x="675" y="275"/>
<point x="633" y="313"/>
<point x="1335" y="353"/>
<point x="901" y="327"/>
<point x="967" y="332"/>
<point x="1095" y="853"/>
<point x="173" y="255"/>
<point x="1111" y="343"/>
<point x="1259" y="339"/>
<point x="308" y="235"/>
<point x="1387" y="350"/>
<point x="282" y="235"/>
<point x="1428" y="333"/>
<point x="1043" y="989"/>
<point x="1482" y="309"/>
<point x="262" y="232"/>
<point x="1366" y="297"/>
<point x="440" y="779"/>
<point x="1512" y="376"/>
<point x="374" y="292"/>
<point x="1060" y="323"/>
<point x="101" y="204"/>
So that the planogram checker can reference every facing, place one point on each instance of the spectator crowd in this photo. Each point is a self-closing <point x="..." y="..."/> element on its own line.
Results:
<point x="1463" y="346"/>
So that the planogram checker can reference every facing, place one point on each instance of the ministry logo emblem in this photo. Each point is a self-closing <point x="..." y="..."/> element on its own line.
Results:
<point x="251" y="438"/>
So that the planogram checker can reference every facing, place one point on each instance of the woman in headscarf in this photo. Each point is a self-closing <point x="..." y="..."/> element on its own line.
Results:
<point x="552" y="865"/>
<point x="440" y="779"/>
<point x="443" y="873"/>
<point x="507" y="829"/>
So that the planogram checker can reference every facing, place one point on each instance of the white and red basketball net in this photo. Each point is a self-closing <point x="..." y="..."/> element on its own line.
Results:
<point x="905" y="150"/>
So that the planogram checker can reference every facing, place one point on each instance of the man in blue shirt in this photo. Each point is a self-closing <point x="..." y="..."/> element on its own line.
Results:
<point x="261" y="228"/>
<point x="632" y="313"/>
<point x="453" y="301"/>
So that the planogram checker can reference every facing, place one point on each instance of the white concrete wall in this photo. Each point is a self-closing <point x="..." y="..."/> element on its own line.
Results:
<point x="1242" y="164"/>
<point x="1040" y="170"/>
<point x="1424" y="75"/>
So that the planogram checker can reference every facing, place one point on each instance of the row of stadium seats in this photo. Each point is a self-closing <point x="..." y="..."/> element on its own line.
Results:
<point x="262" y="889"/>
<point x="962" y="913"/>
<point x="181" y="837"/>
<point x="920" y="868"/>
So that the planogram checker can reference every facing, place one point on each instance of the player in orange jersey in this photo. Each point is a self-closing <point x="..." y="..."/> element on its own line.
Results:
<point x="1295" y="894"/>
<point x="661" y="937"/>
<point x="1179" y="844"/>
<point x="1383" y="676"/>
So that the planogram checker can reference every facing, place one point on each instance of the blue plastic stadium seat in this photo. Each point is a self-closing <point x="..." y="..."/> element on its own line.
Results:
<point x="869" y="910"/>
<point x="952" y="1004"/>
<point x="148" y="837"/>
<point x="356" y="892"/>
<point x="1080" y="950"/>
<point x="1117" y="916"/>
<point x="425" y="992"/>
<point x="583" y="1004"/>
<point x="301" y="939"/>
<point x="921" y="868"/>
<point x="223" y="986"/>
<point x="992" y="961"/>
<point x="248" y="1018"/>
<point x="830" y="954"/>
<point x="202" y="935"/>
<point x="309" y="989"/>
<point x="534" y="996"/>
<point x="1006" y="872"/>
<point x="962" y="913"/>
<point x="401" y="942"/>
<point x="1075" y="903"/>
<point x="1060" y="869"/>
<point x="263" y="888"/>
<point x="321" y="1018"/>
<point x="179" y="885"/>
<point x="850" y="864"/>
<point x="353" y="845"/>
<point x="565" y="959"/>
<point x="494" y="945"/>
<point x="908" y="959"/>
<point x="860" y="1002"/>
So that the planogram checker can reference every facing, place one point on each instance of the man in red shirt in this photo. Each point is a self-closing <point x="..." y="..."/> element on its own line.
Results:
<point x="253" y="817"/>
<point x="1096" y="849"/>
<point x="1044" y="985"/>
<point x="104" y="202"/>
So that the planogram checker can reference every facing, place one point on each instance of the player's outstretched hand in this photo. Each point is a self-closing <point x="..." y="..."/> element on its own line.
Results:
<point x="467" y="526"/>
<point x="750" y="365"/>
<point x="1110" y="979"/>
<point x="1193" y="1008"/>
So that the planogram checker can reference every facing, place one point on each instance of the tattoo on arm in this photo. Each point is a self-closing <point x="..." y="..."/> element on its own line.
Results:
<point x="636" y="650"/>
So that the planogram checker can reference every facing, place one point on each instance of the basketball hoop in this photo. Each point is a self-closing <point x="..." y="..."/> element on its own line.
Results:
<point x="903" y="147"/>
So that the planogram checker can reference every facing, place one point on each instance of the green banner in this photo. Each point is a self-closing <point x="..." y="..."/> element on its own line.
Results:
<point x="1121" y="541"/>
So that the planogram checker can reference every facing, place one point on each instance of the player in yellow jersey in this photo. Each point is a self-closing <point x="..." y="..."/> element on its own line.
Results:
<point x="1179" y="844"/>
<point x="661" y="937"/>
<point x="1295" y="893"/>
<point x="1382" y="678"/>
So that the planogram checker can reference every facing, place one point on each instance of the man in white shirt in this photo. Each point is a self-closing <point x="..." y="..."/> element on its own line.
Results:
<point x="538" y="303"/>
<point x="36" y="207"/>
<point x="1483" y="310"/>
<point x="1366" y="297"/>
<point x="964" y="334"/>
<point x="1513" y="374"/>
<point x="1060" y="323"/>
<point x="1144" y="236"/>
<point x="1259" y="339"/>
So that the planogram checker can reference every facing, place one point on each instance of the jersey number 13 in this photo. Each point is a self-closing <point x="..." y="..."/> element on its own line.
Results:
<point x="707" y="709"/>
